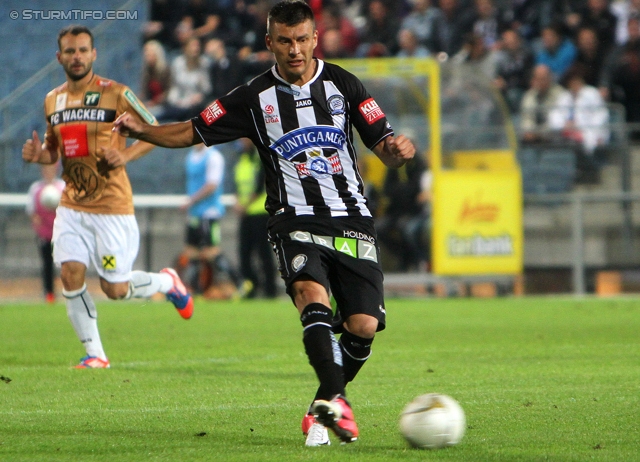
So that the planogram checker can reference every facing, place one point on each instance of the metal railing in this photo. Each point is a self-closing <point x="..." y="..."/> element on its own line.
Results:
<point x="577" y="201"/>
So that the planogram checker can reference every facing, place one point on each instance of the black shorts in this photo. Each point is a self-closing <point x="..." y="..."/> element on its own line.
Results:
<point x="342" y="254"/>
<point x="203" y="232"/>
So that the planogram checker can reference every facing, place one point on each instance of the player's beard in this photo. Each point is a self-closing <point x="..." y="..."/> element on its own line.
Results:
<point x="76" y="77"/>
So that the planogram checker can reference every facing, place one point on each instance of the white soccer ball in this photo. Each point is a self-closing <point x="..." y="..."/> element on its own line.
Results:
<point x="50" y="197"/>
<point x="432" y="421"/>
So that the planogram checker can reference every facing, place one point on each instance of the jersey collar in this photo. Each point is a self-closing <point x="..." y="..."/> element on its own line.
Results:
<point x="319" y="68"/>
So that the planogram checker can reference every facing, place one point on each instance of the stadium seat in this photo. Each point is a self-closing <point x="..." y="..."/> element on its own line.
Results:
<point x="547" y="169"/>
<point x="527" y="156"/>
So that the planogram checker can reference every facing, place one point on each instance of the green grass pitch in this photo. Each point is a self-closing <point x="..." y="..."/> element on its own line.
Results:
<point x="539" y="379"/>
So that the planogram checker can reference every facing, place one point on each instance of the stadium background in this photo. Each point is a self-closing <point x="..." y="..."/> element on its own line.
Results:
<point x="575" y="236"/>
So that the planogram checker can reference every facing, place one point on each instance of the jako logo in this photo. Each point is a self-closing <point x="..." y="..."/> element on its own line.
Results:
<point x="303" y="103"/>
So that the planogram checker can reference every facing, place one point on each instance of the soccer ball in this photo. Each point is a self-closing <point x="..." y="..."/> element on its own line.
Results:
<point x="432" y="421"/>
<point x="50" y="197"/>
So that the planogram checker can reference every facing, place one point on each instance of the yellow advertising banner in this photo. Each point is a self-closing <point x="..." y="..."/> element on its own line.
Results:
<point x="477" y="219"/>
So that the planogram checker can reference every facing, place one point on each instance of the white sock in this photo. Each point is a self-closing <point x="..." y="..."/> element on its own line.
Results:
<point x="84" y="319"/>
<point x="143" y="284"/>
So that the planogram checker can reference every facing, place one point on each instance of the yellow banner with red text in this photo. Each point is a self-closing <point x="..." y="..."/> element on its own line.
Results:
<point x="477" y="222"/>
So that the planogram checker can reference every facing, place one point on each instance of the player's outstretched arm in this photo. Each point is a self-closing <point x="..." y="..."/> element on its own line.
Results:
<point x="394" y="152"/>
<point x="37" y="152"/>
<point x="172" y="135"/>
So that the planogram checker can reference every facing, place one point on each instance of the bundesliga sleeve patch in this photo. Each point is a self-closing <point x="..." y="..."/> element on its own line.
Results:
<point x="371" y="111"/>
<point x="213" y="112"/>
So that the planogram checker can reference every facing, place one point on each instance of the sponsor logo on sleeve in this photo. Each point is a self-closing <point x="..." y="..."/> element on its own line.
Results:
<point x="104" y="83"/>
<point x="371" y="111"/>
<point x="213" y="112"/>
<point x="139" y="108"/>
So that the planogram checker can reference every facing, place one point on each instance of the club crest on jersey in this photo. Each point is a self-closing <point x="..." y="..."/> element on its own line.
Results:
<point x="86" y="182"/>
<point x="319" y="167"/>
<point x="213" y="112"/>
<point x="371" y="111"/>
<point x="309" y="138"/>
<point x="336" y="105"/>
<point x="298" y="262"/>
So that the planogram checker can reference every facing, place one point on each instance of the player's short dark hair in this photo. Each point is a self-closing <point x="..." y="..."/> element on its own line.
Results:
<point x="74" y="29"/>
<point x="290" y="13"/>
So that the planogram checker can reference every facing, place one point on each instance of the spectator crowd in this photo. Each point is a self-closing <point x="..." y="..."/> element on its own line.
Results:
<point x="197" y="50"/>
<point x="557" y="63"/>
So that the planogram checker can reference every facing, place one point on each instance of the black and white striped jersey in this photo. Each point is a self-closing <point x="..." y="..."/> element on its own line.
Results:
<point x="304" y="135"/>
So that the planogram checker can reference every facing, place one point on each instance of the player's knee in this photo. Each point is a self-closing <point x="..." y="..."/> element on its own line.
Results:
<point x="306" y="291"/>
<point x="116" y="291"/>
<point x="72" y="275"/>
<point x="364" y="326"/>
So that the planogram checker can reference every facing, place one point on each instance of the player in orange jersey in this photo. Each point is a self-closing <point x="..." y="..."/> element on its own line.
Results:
<point x="95" y="222"/>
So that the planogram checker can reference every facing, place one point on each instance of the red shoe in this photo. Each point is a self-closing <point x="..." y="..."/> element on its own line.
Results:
<point x="338" y="416"/>
<point x="93" y="362"/>
<point x="307" y="421"/>
<point x="50" y="297"/>
<point x="178" y="294"/>
<point x="315" y="432"/>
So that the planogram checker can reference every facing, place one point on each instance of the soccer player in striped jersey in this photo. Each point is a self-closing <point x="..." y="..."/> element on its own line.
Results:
<point x="300" y="115"/>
